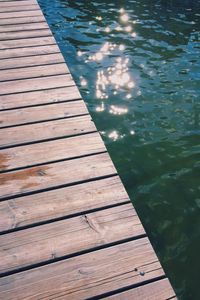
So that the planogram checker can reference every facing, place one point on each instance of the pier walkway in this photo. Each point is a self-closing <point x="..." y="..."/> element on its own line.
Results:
<point x="67" y="227"/>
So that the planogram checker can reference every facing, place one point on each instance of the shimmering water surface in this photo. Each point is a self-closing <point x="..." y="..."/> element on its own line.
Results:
<point x="137" y="64"/>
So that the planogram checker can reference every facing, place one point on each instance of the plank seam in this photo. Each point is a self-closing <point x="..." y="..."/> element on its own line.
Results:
<point x="42" y="121"/>
<point x="37" y="90"/>
<point x="75" y="254"/>
<point x="123" y="289"/>
<point x="52" y="162"/>
<point x="41" y="104"/>
<point x="52" y="188"/>
<point x="65" y="217"/>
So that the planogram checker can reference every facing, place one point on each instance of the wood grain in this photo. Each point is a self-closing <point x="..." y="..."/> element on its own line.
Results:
<point x="40" y="41"/>
<point x="53" y="175"/>
<point x="23" y="27"/>
<point x="86" y="275"/>
<point x="33" y="72"/>
<point x="42" y="113"/>
<point x="52" y="95"/>
<point x="68" y="148"/>
<point x="19" y="3"/>
<point x="38" y="60"/>
<point x="22" y="20"/>
<point x="159" y="290"/>
<point x="25" y="85"/>
<point x="19" y="14"/>
<point x="24" y="34"/>
<point x="32" y="51"/>
<point x="43" y="243"/>
<point x="16" y="8"/>
<point x="58" y="203"/>
<point x="47" y="130"/>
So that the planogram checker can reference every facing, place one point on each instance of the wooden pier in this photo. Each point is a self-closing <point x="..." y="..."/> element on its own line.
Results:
<point x="68" y="228"/>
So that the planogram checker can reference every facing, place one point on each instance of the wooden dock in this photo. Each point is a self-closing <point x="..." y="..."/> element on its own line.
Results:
<point x="68" y="228"/>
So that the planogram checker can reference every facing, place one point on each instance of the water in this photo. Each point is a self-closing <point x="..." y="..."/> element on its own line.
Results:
<point x="137" y="64"/>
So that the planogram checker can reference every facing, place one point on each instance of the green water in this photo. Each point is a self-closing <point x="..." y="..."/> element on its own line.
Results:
<point x="137" y="64"/>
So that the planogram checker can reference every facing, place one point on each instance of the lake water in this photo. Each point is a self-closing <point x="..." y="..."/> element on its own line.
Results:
<point x="137" y="64"/>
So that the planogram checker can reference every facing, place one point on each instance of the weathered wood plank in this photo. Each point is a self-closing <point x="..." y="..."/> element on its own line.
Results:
<point x="33" y="72"/>
<point x="19" y="3"/>
<point x="57" y="150"/>
<point x="41" y="41"/>
<point x="22" y="20"/>
<point x="58" y="203"/>
<point x="24" y="34"/>
<point x="57" y="174"/>
<point x="30" y="51"/>
<point x="25" y="85"/>
<point x="44" y="243"/>
<point x="19" y="14"/>
<point x="159" y="290"/>
<point x="46" y="130"/>
<point x="87" y="275"/>
<point x="23" y="27"/>
<point x="42" y="113"/>
<point x="31" y="61"/>
<point x="16" y="8"/>
<point x="39" y="97"/>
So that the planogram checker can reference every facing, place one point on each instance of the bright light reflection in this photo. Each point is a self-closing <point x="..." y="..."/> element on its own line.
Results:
<point x="115" y="77"/>
<point x="114" y="135"/>
<point x="128" y="28"/>
<point x="83" y="82"/>
<point x="116" y="110"/>
<point x="124" y="18"/>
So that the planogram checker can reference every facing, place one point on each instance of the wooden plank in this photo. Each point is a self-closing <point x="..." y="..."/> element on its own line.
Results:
<point x="39" y="97"/>
<point x="30" y="51"/>
<point x="53" y="175"/>
<point x="23" y="27"/>
<point x="17" y="8"/>
<point x="58" y="203"/>
<point x="39" y="60"/>
<point x="159" y="290"/>
<point x="41" y="41"/>
<point x="46" y="130"/>
<point x="87" y="275"/>
<point x="34" y="84"/>
<point x="44" y="243"/>
<point x="19" y="14"/>
<point x="33" y="72"/>
<point x="15" y="3"/>
<point x="22" y="20"/>
<point x="42" y="113"/>
<point x="24" y="34"/>
<point x="68" y="148"/>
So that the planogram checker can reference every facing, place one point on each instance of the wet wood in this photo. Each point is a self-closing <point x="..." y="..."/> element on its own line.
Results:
<point x="31" y="155"/>
<point x="38" y="60"/>
<point x="46" y="130"/>
<point x="86" y="275"/>
<point x="44" y="243"/>
<point x="42" y="113"/>
<point x="159" y="290"/>
<point x="54" y="175"/>
<point x="53" y="95"/>
<point x="60" y="203"/>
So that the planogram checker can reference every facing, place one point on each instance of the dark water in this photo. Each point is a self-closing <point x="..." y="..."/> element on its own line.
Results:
<point x="138" y="67"/>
